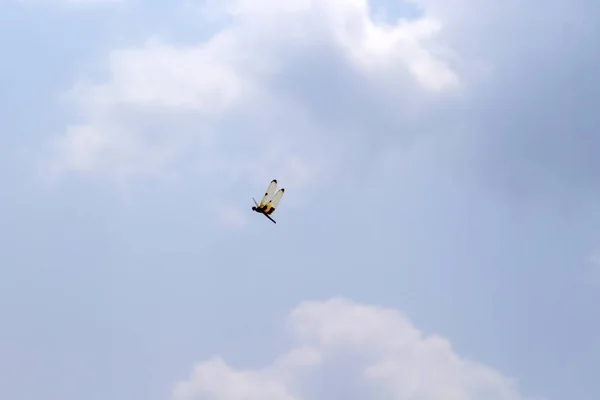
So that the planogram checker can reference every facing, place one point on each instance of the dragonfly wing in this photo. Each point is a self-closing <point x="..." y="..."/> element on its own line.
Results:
<point x="272" y="205"/>
<point x="268" y="193"/>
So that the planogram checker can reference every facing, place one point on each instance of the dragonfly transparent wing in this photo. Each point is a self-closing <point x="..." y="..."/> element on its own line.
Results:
<point x="268" y="193"/>
<point x="272" y="205"/>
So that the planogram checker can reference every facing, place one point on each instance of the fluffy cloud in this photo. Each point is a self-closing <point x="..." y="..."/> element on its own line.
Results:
<point x="354" y="351"/>
<point x="289" y="84"/>
<point x="302" y="86"/>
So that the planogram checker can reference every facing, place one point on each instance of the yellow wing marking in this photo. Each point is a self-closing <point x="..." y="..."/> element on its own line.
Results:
<point x="272" y="205"/>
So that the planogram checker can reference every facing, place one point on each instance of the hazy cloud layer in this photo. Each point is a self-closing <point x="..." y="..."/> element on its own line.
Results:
<point x="297" y="84"/>
<point x="508" y="88"/>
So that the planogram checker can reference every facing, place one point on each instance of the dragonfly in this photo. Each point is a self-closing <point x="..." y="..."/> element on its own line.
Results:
<point x="269" y="202"/>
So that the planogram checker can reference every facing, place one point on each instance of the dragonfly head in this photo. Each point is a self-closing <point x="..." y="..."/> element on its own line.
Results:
<point x="253" y="208"/>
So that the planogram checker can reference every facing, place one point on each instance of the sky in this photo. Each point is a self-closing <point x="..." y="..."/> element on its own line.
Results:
<point x="438" y="237"/>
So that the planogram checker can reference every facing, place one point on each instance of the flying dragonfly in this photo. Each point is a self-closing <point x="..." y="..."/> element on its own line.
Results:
<point x="269" y="202"/>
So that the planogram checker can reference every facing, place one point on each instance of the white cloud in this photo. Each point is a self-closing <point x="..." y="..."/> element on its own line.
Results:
<point x="322" y="82"/>
<point x="349" y="350"/>
<point x="256" y="92"/>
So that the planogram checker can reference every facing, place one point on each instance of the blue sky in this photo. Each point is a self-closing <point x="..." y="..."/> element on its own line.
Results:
<point x="438" y="236"/>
